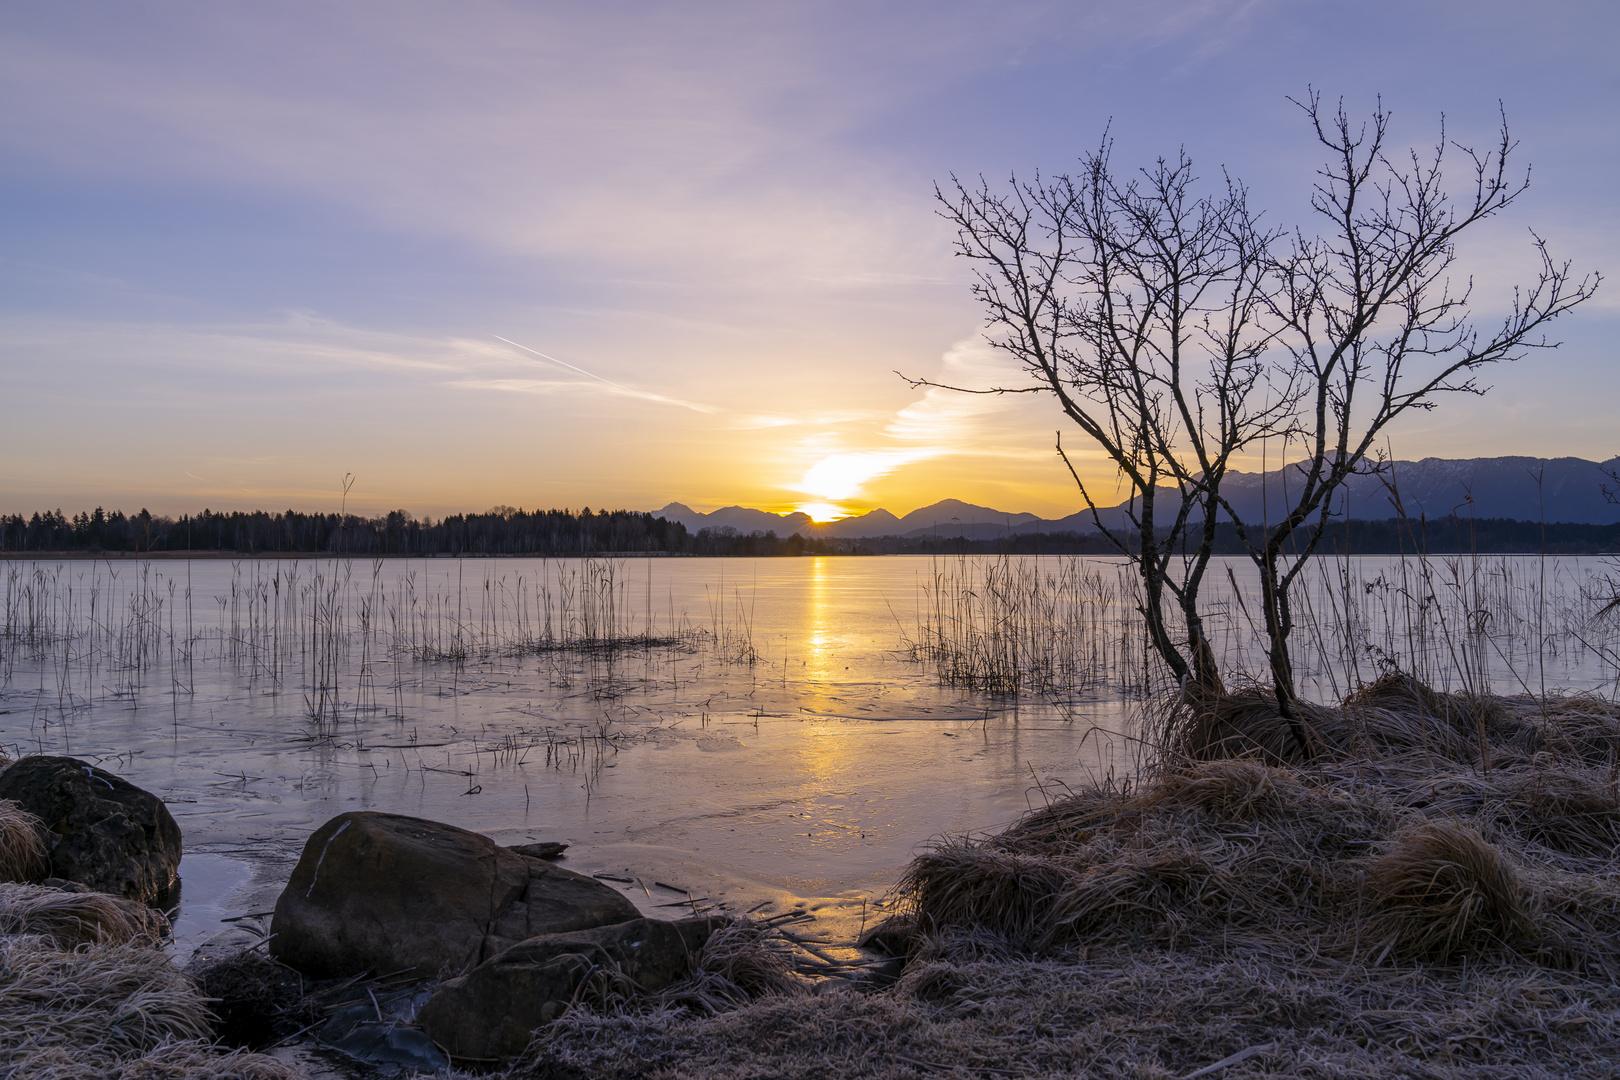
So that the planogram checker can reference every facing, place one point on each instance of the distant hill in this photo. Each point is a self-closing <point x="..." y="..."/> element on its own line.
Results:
<point x="949" y="517"/>
<point x="1566" y="490"/>
<point x="1515" y="488"/>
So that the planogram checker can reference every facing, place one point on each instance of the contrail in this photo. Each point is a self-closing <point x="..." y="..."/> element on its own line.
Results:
<point x="565" y="364"/>
<point x="694" y="406"/>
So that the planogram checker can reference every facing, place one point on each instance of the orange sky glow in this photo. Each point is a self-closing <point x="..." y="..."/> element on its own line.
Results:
<point x="549" y="255"/>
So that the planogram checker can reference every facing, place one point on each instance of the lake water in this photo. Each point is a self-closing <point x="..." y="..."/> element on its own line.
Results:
<point x="771" y="738"/>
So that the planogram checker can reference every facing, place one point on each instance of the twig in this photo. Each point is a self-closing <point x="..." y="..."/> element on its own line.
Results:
<point x="1230" y="1059"/>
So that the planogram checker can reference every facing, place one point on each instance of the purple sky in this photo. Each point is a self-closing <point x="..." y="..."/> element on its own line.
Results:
<point x="246" y="248"/>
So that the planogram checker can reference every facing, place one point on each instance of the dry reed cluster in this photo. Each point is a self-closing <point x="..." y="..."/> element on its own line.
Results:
<point x="23" y="854"/>
<point x="88" y="993"/>
<point x="70" y="919"/>
<point x="1436" y="894"/>
<point x="108" y="1010"/>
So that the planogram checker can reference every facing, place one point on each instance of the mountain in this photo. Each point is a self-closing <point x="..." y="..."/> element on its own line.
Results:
<point x="877" y="523"/>
<point x="950" y="517"/>
<point x="1520" y="488"/>
<point x="741" y="518"/>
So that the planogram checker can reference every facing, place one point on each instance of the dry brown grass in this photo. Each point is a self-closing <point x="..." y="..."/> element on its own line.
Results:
<point x="23" y="855"/>
<point x="1441" y="891"/>
<point x="108" y="1010"/>
<point x="1436" y="894"/>
<point x="967" y="1008"/>
<point x="70" y="919"/>
<point x="740" y="962"/>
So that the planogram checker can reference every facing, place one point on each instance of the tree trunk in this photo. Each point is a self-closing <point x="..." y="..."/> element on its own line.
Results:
<point x="1153" y="583"/>
<point x="1274" y="603"/>
<point x="1206" y="679"/>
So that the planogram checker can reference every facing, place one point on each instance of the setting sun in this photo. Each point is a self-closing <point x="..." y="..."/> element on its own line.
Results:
<point x="821" y="512"/>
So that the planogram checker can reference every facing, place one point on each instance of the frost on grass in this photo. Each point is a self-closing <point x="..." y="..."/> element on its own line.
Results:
<point x="1436" y="894"/>
<point x="112" y="1010"/>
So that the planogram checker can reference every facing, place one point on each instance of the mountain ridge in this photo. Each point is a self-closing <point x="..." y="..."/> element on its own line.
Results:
<point x="1516" y="487"/>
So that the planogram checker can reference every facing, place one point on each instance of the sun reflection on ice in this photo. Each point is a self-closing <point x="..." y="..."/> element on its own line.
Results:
<point x="820" y="666"/>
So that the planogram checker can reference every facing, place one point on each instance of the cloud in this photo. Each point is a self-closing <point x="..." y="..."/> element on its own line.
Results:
<point x="941" y="422"/>
<point x="841" y="476"/>
<point x="946" y="417"/>
<point x="304" y="343"/>
<point x="556" y="386"/>
<point x="623" y="145"/>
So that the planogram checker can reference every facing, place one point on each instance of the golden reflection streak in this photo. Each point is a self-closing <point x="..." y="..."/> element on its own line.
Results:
<point x="819" y="665"/>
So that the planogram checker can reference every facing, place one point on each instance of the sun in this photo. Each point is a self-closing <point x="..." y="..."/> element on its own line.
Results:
<point x="822" y="512"/>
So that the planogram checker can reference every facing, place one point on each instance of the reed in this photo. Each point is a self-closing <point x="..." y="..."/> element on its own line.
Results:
<point x="1055" y="627"/>
<point x="335" y="634"/>
<point x="1060" y="627"/>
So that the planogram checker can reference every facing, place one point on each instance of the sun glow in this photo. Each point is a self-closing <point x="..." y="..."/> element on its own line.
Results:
<point x="840" y="476"/>
<point x="822" y="512"/>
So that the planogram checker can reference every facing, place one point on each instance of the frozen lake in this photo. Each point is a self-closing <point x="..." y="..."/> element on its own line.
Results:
<point x="763" y="731"/>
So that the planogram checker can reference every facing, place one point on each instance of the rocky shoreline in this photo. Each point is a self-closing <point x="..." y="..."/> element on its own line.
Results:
<point x="401" y="944"/>
<point x="1435" y="893"/>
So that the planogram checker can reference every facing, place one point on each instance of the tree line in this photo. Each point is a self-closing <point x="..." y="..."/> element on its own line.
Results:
<point x="501" y="531"/>
<point x="563" y="532"/>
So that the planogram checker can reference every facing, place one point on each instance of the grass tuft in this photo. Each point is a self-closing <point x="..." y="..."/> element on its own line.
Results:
<point x="71" y="919"/>
<point x="1441" y="891"/>
<point x="23" y="854"/>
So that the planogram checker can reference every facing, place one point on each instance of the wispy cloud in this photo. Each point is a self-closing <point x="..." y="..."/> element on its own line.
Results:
<point x="943" y="421"/>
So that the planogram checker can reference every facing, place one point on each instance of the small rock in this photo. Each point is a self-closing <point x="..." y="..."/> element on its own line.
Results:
<point x="546" y="849"/>
<point x="106" y="833"/>
<point x="491" y="1013"/>
<point x="385" y="893"/>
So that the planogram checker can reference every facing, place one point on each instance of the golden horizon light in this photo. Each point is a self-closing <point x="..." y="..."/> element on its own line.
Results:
<point x="823" y="512"/>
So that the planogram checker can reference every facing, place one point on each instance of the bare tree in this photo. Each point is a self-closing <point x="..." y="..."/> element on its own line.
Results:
<point x="1177" y="333"/>
<point x="1141" y="307"/>
<point x="1371" y="327"/>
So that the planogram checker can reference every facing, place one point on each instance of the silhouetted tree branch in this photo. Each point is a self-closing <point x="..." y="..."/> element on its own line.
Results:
<point x="1176" y="332"/>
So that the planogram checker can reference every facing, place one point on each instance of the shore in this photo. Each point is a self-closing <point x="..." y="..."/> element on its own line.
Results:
<point x="1435" y="891"/>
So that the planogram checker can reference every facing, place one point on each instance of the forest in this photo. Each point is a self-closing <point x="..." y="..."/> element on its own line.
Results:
<point x="505" y="531"/>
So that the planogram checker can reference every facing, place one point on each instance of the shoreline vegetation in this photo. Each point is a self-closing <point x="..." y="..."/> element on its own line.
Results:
<point x="552" y="533"/>
<point x="1437" y="894"/>
<point x="1428" y="886"/>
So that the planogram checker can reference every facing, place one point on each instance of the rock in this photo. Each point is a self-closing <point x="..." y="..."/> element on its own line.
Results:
<point x="106" y="833"/>
<point x="490" y="1013"/>
<point x="385" y="893"/>
<point x="546" y="849"/>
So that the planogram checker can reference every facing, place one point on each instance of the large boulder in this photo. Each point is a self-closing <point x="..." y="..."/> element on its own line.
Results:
<point x="490" y="1013"/>
<point x="105" y="832"/>
<point x="386" y="893"/>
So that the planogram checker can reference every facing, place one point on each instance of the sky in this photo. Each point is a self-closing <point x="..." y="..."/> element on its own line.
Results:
<point x="618" y="254"/>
